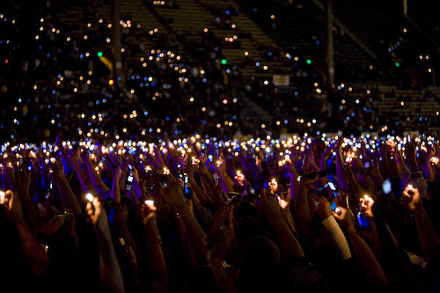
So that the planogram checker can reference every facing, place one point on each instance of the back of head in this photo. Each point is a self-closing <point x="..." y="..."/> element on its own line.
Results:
<point x="302" y="279"/>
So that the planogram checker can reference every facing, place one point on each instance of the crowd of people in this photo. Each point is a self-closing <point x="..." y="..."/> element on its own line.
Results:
<point x="304" y="214"/>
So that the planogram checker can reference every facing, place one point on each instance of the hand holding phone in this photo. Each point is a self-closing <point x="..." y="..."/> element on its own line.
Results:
<point x="323" y="206"/>
<point x="63" y="217"/>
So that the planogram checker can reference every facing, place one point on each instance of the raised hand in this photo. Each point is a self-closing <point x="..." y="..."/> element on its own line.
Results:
<point x="270" y="206"/>
<point x="322" y="207"/>
<point x="136" y="174"/>
<point x="57" y="174"/>
<point x="9" y="178"/>
<point x="73" y="156"/>
<point x="12" y="206"/>
<point x="51" y="226"/>
<point x="189" y="170"/>
<point x="345" y="217"/>
<point x="97" y="215"/>
<point x="365" y="206"/>
<point x="222" y="234"/>
<point x="172" y="194"/>
<point x="24" y="178"/>
<point x="148" y="211"/>
<point x="239" y="178"/>
<point x="411" y="199"/>
<point x="272" y="186"/>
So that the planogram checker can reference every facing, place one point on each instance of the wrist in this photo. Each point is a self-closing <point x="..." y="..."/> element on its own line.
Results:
<point x="419" y="209"/>
<point x="20" y="224"/>
<point x="75" y="162"/>
<point x="329" y="222"/>
<point x="150" y="224"/>
<point x="350" y="230"/>
<point x="416" y="174"/>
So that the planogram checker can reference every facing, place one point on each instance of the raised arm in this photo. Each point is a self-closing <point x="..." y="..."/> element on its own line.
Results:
<point x="340" y="170"/>
<point x="173" y="197"/>
<point x="201" y="194"/>
<point x="34" y="252"/>
<point x="95" y="178"/>
<point x="337" y="238"/>
<point x="429" y="172"/>
<point x="271" y="209"/>
<point x="156" y="267"/>
<point x="31" y="215"/>
<point x="371" y="267"/>
<point x="357" y="188"/>
<point x="412" y="201"/>
<point x="83" y="176"/>
<point x="302" y="212"/>
<point x="109" y="271"/>
<point x="411" y="155"/>
<point x="227" y="181"/>
<point x="70" y="200"/>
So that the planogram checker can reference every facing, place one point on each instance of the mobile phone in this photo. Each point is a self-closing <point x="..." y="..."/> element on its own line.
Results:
<point x="63" y="217"/>
<point x="124" y="245"/>
<point x="331" y="185"/>
<point x="129" y="179"/>
<point x="251" y="190"/>
<point x="333" y="206"/>
<point x="187" y="191"/>
<point x="362" y="221"/>
<point x="234" y="199"/>
<point x="215" y="176"/>
<point x="20" y="163"/>
<point x="386" y="186"/>
<point x="49" y="190"/>
<point x="114" y="205"/>
<point x="162" y="178"/>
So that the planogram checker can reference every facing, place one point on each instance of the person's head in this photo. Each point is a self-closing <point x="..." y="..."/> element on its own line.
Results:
<point x="245" y="208"/>
<point x="260" y="257"/>
<point x="248" y="227"/>
<point x="302" y="279"/>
